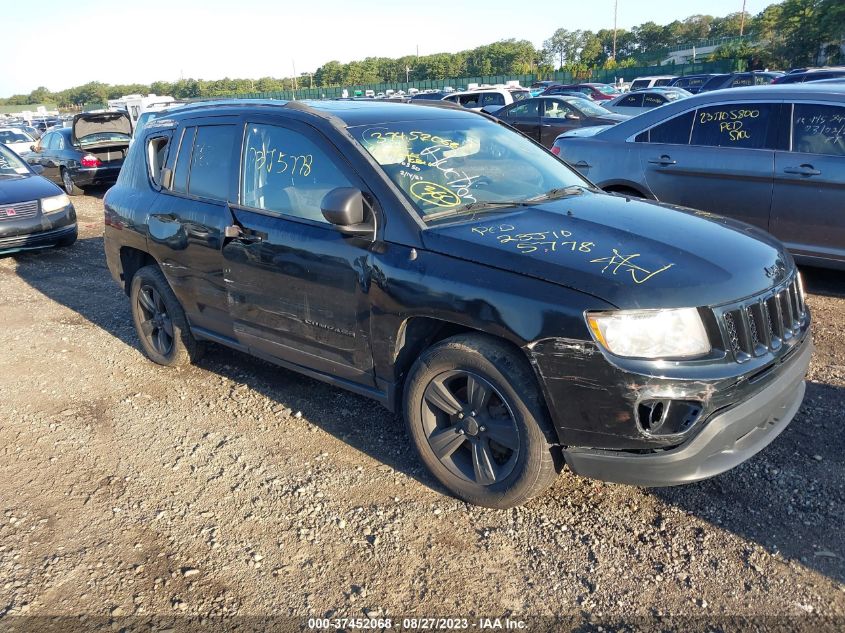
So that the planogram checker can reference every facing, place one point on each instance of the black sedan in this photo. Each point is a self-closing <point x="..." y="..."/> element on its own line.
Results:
<point x="34" y="213"/>
<point x="90" y="152"/>
<point x="544" y="118"/>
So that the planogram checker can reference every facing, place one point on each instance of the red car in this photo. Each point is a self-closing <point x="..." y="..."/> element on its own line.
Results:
<point x="596" y="92"/>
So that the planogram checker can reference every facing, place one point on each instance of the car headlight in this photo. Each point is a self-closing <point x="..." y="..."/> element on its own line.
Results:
<point x="54" y="204"/>
<point x="677" y="333"/>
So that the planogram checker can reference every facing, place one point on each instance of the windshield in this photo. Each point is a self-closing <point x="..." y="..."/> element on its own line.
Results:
<point x="445" y="165"/>
<point x="104" y="137"/>
<point x="519" y="95"/>
<point x="14" y="136"/>
<point x="608" y="90"/>
<point x="11" y="164"/>
<point x="588" y="107"/>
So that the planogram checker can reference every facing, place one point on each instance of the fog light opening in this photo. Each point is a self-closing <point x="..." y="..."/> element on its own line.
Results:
<point x="668" y="417"/>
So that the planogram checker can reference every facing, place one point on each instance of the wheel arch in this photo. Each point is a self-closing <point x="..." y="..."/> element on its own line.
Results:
<point x="627" y="187"/>
<point x="131" y="261"/>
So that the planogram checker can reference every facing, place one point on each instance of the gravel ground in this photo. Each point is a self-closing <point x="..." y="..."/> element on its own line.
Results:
<point x="235" y="487"/>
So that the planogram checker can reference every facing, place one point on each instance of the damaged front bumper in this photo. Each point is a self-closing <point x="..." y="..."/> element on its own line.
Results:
<point x="724" y="441"/>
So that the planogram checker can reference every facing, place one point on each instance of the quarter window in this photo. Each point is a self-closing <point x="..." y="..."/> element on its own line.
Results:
<point x="156" y="156"/>
<point x="286" y="173"/>
<point x="742" y="125"/>
<point x="526" y="109"/>
<point x="818" y="129"/>
<point x="631" y="101"/>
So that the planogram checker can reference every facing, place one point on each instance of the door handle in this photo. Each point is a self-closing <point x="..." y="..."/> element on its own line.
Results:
<point x="803" y="170"/>
<point x="582" y="164"/>
<point x="546" y="125"/>
<point x="245" y="235"/>
<point x="663" y="160"/>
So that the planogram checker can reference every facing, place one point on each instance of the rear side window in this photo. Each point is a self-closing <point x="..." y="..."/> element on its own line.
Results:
<point x="675" y="131"/>
<point x="287" y="173"/>
<point x="492" y="98"/>
<point x="631" y="101"/>
<point x="469" y="101"/>
<point x="744" y="125"/>
<point x="526" y="109"/>
<point x="818" y="129"/>
<point x="640" y="83"/>
<point x="211" y="162"/>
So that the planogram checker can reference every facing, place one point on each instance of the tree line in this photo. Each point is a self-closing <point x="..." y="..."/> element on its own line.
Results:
<point x="787" y="34"/>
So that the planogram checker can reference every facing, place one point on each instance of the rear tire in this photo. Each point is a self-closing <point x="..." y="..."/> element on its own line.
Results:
<point x="67" y="182"/>
<point x="160" y="320"/>
<point x="479" y="423"/>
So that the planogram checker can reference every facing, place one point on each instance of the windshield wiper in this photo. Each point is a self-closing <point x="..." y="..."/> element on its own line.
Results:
<point x="559" y="192"/>
<point x="476" y="207"/>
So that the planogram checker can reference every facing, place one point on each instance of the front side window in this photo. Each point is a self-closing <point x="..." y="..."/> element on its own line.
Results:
<point x="443" y="165"/>
<point x="211" y="162"/>
<point x="743" y="125"/>
<point x="818" y="129"/>
<point x="287" y="173"/>
<point x="557" y="109"/>
<point x="653" y="100"/>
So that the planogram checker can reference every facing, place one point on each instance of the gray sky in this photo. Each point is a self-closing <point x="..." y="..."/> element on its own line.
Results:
<point x="61" y="43"/>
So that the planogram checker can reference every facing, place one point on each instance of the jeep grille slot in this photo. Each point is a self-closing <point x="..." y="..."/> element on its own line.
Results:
<point x="764" y="323"/>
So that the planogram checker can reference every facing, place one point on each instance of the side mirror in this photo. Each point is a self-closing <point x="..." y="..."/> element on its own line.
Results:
<point x="38" y="169"/>
<point x="166" y="177"/>
<point x="344" y="207"/>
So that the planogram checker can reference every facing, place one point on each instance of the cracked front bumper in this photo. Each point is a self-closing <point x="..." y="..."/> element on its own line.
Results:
<point x="727" y="439"/>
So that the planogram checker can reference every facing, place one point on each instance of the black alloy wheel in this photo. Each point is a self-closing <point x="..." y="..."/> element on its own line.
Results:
<point x="470" y="427"/>
<point x="155" y="324"/>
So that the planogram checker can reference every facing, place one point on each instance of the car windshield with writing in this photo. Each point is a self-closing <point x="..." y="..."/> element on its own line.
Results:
<point x="445" y="167"/>
<point x="588" y="107"/>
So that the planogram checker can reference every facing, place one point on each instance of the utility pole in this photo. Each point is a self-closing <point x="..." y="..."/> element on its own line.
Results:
<point x="742" y="19"/>
<point x="407" y="74"/>
<point x="615" y="15"/>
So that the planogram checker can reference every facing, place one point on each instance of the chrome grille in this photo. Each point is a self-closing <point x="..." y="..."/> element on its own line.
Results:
<point x="18" y="211"/>
<point x="764" y="323"/>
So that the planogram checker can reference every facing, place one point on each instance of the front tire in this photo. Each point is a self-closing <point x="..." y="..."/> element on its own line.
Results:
<point x="67" y="183"/>
<point x="479" y="423"/>
<point x="160" y="320"/>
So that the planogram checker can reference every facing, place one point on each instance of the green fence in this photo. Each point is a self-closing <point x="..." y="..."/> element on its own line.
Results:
<point x="461" y="83"/>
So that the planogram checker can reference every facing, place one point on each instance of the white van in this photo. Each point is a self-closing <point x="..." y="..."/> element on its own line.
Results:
<point x="641" y="83"/>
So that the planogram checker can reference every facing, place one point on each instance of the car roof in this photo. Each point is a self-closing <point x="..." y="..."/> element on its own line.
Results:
<point x="349" y="113"/>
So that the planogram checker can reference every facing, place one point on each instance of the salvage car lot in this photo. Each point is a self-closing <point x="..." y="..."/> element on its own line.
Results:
<point x="238" y="487"/>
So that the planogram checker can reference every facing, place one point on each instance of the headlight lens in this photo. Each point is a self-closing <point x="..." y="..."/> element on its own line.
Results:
<point x="650" y="333"/>
<point x="54" y="204"/>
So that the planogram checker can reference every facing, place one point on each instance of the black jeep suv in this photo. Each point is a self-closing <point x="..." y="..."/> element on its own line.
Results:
<point x="439" y="262"/>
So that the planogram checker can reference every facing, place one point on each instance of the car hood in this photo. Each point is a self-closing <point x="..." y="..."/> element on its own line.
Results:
<point x="610" y="117"/>
<point x="87" y="123"/>
<point x="581" y="132"/>
<point x="631" y="253"/>
<point x="29" y="187"/>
